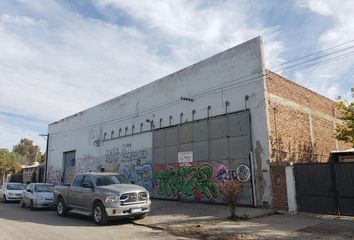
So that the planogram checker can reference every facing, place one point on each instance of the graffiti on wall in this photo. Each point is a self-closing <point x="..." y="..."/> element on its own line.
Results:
<point x="125" y="154"/>
<point x="222" y="172"/>
<point x="191" y="181"/>
<point x="140" y="174"/>
<point x="54" y="176"/>
<point x="85" y="164"/>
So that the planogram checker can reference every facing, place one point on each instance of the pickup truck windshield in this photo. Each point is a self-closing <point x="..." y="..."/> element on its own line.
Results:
<point x="105" y="180"/>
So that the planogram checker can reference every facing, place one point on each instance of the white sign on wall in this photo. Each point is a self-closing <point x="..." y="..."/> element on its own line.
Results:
<point x="185" y="157"/>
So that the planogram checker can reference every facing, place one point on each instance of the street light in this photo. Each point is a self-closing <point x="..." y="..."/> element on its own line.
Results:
<point x="151" y="123"/>
<point x="46" y="138"/>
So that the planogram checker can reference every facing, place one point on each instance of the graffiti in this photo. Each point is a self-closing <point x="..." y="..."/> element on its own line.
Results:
<point x="242" y="173"/>
<point x="143" y="175"/>
<point x="140" y="174"/>
<point x="112" y="155"/>
<point x="86" y="164"/>
<point x="126" y="154"/>
<point x="54" y="176"/>
<point x="191" y="181"/>
<point x="222" y="172"/>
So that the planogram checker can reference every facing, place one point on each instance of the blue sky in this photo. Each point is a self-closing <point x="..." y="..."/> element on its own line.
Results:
<point x="60" y="57"/>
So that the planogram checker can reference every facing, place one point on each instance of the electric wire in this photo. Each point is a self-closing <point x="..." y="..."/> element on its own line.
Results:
<point x="312" y="54"/>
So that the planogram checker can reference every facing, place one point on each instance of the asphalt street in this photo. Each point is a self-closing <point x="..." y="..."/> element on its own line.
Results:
<point x="22" y="224"/>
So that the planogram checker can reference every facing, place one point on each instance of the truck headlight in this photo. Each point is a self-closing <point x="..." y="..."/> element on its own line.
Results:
<point x="112" y="199"/>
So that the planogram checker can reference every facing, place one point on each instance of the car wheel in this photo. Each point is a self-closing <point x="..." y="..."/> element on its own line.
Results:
<point x="141" y="216"/>
<point x="22" y="203"/>
<point x="31" y="205"/>
<point x="4" y="200"/>
<point x="99" y="214"/>
<point x="62" y="210"/>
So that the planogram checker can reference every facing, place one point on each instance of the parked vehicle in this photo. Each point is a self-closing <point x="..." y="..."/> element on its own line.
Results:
<point x="105" y="196"/>
<point x="38" y="195"/>
<point x="11" y="192"/>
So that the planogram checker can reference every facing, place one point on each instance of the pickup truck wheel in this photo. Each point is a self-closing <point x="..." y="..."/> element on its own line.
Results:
<point x="62" y="210"/>
<point x="99" y="214"/>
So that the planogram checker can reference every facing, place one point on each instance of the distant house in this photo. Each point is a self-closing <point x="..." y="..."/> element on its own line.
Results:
<point x="343" y="156"/>
<point x="33" y="173"/>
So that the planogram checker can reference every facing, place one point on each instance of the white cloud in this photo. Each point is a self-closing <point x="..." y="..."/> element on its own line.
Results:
<point x="55" y="62"/>
<point x="331" y="79"/>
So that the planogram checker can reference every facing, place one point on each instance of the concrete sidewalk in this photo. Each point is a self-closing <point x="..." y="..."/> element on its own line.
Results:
<point x="166" y="212"/>
<point x="207" y="221"/>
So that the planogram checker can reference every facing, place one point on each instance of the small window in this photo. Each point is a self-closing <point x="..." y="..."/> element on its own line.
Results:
<point x="104" y="136"/>
<point x="141" y="127"/>
<point x="112" y="134"/>
<point x="126" y="130"/>
<point x="77" y="181"/>
<point x="133" y="129"/>
<point x="170" y="120"/>
<point x="87" y="181"/>
<point x="160" y="122"/>
<point x="120" y="132"/>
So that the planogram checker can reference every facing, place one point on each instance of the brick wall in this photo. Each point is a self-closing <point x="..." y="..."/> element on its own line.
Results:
<point x="301" y="122"/>
<point x="301" y="125"/>
<point x="280" y="197"/>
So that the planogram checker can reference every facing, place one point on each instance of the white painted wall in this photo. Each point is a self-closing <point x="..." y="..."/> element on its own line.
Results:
<point x="291" y="190"/>
<point x="227" y="76"/>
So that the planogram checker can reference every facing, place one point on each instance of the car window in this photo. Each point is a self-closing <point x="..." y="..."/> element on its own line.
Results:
<point x="105" y="180"/>
<point x="77" y="181"/>
<point x="87" y="180"/>
<point x="14" y="186"/>
<point x="43" y="188"/>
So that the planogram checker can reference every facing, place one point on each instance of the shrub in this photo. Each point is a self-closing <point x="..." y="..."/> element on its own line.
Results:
<point x="231" y="192"/>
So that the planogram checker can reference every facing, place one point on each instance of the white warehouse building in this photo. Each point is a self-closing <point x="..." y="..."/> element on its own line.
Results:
<point x="180" y="136"/>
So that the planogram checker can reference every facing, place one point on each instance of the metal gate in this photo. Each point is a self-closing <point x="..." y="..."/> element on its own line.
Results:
<point x="326" y="188"/>
<point x="216" y="150"/>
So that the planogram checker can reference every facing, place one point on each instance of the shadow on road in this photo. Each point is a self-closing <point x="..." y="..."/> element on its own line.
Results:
<point x="47" y="216"/>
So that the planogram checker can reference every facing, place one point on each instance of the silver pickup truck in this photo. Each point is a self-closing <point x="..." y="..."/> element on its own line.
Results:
<point x="104" y="195"/>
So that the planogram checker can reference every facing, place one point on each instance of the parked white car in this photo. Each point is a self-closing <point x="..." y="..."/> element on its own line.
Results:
<point x="11" y="192"/>
<point x="38" y="195"/>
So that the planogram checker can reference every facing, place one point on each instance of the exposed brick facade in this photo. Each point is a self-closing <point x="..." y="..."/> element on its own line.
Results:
<point x="280" y="198"/>
<point x="301" y="125"/>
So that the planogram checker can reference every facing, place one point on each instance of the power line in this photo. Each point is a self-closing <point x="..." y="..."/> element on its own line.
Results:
<point x="323" y="62"/>
<point x="312" y="54"/>
<point x="314" y="59"/>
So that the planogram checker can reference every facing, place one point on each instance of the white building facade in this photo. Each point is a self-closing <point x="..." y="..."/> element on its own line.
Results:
<point x="181" y="136"/>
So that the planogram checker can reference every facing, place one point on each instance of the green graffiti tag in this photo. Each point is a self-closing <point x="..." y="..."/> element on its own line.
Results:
<point x="188" y="180"/>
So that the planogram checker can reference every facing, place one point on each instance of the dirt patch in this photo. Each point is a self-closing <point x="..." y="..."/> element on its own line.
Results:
<point x="198" y="231"/>
<point x="341" y="231"/>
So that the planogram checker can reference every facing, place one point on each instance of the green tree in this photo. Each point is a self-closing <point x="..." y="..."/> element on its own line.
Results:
<point x="29" y="153"/>
<point x="9" y="163"/>
<point x="345" y="132"/>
